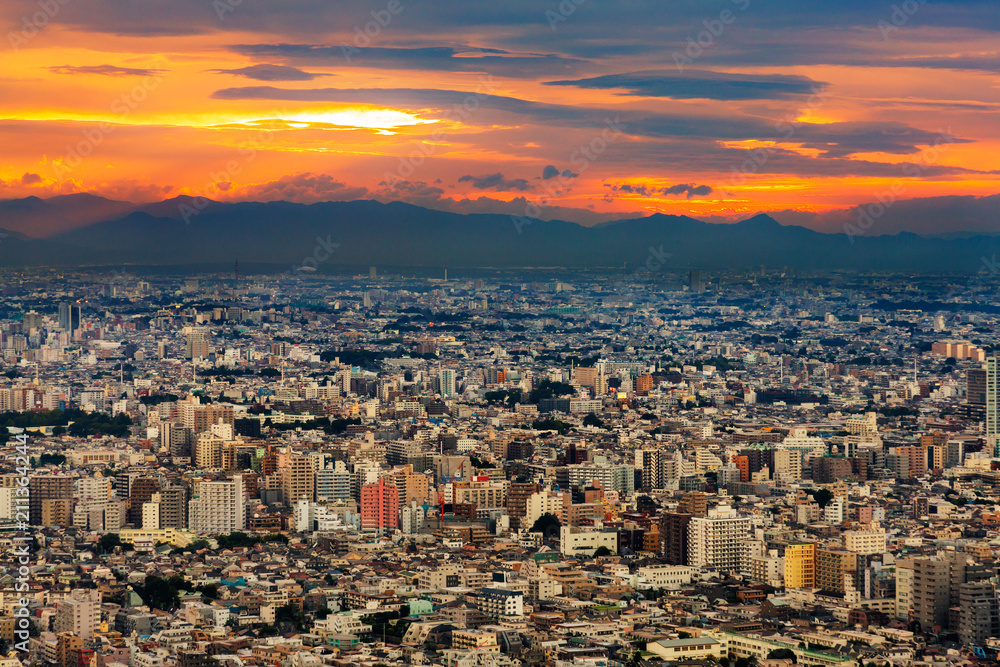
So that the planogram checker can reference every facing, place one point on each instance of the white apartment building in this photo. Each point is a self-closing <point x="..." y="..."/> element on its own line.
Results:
<point x="218" y="507"/>
<point x="93" y="490"/>
<point x="586" y="542"/>
<point x="719" y="541"/>
<point x="663" y="576"/>
<point x="867" y="542"/>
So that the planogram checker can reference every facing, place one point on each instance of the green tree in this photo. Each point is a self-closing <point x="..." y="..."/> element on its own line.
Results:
<point x="823" y="497"/>
<point x="108" y="542"/>
<point x="546" y="524"/>
<point x="602" y="551"/>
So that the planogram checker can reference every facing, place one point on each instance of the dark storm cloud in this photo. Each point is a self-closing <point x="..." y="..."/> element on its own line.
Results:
<point x="551" y="171"/>
<point x="496" y="182"/>
<point x="272" y="73"/>
<point x="689" y="189"/>
<point x="628" y="188"/>
<point x="698" y="84"/>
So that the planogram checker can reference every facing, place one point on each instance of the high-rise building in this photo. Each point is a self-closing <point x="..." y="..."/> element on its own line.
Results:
<point x="299" y="479"/>
<point x="935" y="589"/>
<point x="94" y="490"/>
<point x="218" y="507"/>
<point x="69" y="317"/>
<point x="197" y="344"/>
<point x="694" y="503"/>
<point x="333" y="484"/>
<point x="674" y="537"/>
<point x="787" y="465"/>
<point x="44" y="489"/>
<point x="836" y="570"/>
<point x="696" y="282"/>
<point x="141" y="491"/>
<point x="719" y="540"/>
<point x="151" y="513"/>
<point x="447" y="378"/>
<point x="992" y="423"/>
<point x="517" y="501"/>
<point x="379" y="507"/>
<point x="174" y="507"/>
<point x="79" y="613"/>
<point x="800" y="565"/>
<point x="31" y="320"/>
<point x="650" y="461"/>
<point x="979" y="614"/>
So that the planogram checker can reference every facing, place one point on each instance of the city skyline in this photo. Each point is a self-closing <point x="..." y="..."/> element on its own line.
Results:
<point x="586" y="111"/>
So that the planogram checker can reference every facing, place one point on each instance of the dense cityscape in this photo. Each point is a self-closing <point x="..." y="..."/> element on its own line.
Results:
<point x="390" y="467"/>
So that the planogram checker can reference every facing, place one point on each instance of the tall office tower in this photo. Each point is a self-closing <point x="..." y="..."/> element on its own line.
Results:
<point x="197" y="344"/>
<point x="975" y="387"/>
<point x="372" y="272"/>
<point x="992" y="425"/>
<point x="695" y="282"/>
<point x="979" y="614"/>
<point x="447" y="378"/>
<point x="218" y="507"/>
<point x="48" y="492"/>
<point x="79" y="613"/>
<point x="69" y="317"/>
<point x="299" y="479"/>
<point x="719" y="540"/>
<point x="674" y="537"/>
<point x="800" y="565"/>
<point x="141" y="491"/>
<point x="379" y="507"/>
<point x="174" y="507"/>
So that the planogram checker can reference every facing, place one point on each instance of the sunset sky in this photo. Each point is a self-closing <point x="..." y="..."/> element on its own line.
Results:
<point x="591" y="110"/>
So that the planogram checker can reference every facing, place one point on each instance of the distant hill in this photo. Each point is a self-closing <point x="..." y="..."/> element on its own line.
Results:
<point x="398" y="234"/>
<point x="42" y="218"/>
